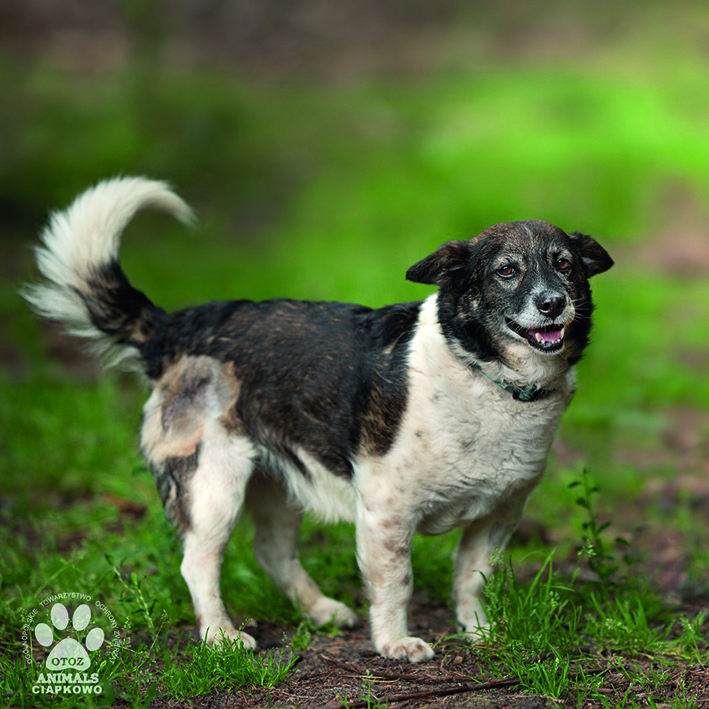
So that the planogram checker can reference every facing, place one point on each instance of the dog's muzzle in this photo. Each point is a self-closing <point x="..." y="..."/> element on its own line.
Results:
<point x="549" y="338"/>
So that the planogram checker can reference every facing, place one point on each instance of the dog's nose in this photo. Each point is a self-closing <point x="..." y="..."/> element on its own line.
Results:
<point x="550" y="304"/>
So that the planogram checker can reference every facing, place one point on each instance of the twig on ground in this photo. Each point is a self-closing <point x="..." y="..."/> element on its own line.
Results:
<point x="446" y="691"/>
<point x="373" y="674"/>
<point x="426" y="694"/>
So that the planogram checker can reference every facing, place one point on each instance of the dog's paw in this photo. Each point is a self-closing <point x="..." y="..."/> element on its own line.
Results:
<point x="407" y="648"/>
<point x="473" y="633"/>
<point x="473" y="624"/>
<point x="225" y="637"/>
<point x="326" y="610"/>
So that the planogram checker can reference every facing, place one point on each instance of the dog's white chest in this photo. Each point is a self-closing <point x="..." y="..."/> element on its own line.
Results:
<point x="466" y="445"/>
<point x="470" y="451"/>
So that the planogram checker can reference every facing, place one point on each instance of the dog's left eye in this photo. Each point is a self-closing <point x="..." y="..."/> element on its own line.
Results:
<point x="506" y="271"/>
<point x="563" y="265"/>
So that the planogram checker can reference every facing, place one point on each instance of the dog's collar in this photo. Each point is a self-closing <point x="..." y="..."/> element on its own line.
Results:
<point x="526" y="394"/>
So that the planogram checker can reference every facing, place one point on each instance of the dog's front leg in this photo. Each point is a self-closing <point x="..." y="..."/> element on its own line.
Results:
<point x="384" y="552"/>
<point x="480" y="541"/>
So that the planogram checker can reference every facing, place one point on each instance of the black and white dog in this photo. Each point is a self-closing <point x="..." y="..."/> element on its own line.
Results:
<point x="416" y="416"/>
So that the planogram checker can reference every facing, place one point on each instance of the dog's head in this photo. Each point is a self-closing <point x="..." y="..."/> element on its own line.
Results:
<point x="515" y="290"/>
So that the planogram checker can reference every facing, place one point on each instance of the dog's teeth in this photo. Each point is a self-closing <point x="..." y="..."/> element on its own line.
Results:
<point x="538" y="337"/>
<point x="561" y="333"/>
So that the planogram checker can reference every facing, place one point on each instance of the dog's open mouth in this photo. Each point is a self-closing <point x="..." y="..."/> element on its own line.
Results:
<point x="544" y="339"/>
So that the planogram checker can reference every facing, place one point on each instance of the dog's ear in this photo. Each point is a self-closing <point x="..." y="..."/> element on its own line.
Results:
<point x="594" y="257"/>
<point x="441" y="266"/>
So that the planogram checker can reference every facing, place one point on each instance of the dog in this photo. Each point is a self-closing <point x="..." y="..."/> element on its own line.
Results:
<point x="421" y="416"/>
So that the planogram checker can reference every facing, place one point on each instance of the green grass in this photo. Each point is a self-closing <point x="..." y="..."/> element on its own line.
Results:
<point x="211" y="669"/>
<point x="562" y="634"/>
<point x="561" y="637"/>
<point x="335" y="202"/>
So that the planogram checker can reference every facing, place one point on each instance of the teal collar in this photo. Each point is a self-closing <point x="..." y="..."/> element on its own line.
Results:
<point x="526" y="394"/>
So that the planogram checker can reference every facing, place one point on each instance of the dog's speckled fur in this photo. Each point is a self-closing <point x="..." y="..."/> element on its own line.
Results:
<point x="418" y="416"/>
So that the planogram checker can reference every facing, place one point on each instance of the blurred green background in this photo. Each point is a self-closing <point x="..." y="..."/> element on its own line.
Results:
<point x="328" y="145"/>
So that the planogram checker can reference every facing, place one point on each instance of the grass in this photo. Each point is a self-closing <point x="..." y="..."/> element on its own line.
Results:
<point x="212" y="669"/>
<point x="562" y="635"/>
<point x="336" y="203"/>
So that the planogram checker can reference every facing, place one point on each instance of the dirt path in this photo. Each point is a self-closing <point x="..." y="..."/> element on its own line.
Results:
<point x="346" y="668"/>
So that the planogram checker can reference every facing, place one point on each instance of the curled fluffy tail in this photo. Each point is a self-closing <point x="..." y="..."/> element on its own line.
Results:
<point x="85" y="288"/>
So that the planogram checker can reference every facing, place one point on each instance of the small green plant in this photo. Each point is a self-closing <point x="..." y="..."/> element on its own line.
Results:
<point x="691" y="643"/>
<point x="133" y="593"/>
<point x="532" y="619"/>
<point x="16" y="678"/>
<point x="549" y="679"/>
<point x="594" y="547"/>
<point x="210" y="668"/>
<point x="368" y="698"/>
<point x="302" y="636"/>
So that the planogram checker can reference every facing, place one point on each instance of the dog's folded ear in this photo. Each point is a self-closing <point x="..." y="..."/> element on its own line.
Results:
<point x="594" y="257"/>
<point x="441" y="267"/>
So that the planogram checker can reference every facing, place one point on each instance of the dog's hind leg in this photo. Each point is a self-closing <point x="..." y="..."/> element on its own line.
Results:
<point x="275" y="547"/>
<point x="215" y="495"/>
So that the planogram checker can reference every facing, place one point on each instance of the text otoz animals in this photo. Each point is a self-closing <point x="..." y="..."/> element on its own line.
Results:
<point x="420" y="416"/>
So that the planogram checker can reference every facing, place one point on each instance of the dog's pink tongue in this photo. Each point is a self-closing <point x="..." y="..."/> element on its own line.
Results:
<point x="547" y="335"/>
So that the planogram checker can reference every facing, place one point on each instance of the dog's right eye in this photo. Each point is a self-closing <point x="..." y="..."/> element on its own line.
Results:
<point x="506" y="271"/>
<point x="563" y="265"/>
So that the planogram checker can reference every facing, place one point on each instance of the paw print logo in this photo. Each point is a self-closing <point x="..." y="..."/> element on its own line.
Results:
<point x="69" y="653"/>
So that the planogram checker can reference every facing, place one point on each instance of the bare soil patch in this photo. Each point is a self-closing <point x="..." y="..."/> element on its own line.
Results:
<point x="346" y="672"/>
